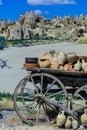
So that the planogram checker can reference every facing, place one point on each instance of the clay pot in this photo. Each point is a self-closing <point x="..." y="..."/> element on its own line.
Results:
<point x="61" y="118"/>
<point x="74" y="124"/>
<point x="55" y="58"/>
<point x="55" y="65"/>
<point x="68" y="67"/>
<point x="77" y="66"/>
<point x="71" y="67"/>
<point x="84" y="118"/>
<point x="71" y="56"/>
<point x="84" y="65"/>
<point x="45" y="64"/>
<point x="46" y="56"/>
<point x="31" y="60"/>
<point x="62" y="58"/>
<point x="61" y="67"/>
<point x="68" y="122"/>
<point x="27" y="65"/>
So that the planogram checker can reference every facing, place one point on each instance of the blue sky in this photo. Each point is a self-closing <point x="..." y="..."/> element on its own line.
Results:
<point x="11" y="9"/>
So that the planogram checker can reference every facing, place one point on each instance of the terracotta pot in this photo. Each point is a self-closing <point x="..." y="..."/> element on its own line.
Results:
<point x="68" y="67"/>
<point x="27" y="65"/>
<point x="68" y="122"/>
<point x="45" y="64"/>
<point x="77" y="66"/>
<point x="46" y="56"/>
<point x="84" y="65"/>
<point x="31" y="60"/>
<point x="62" y="58"/>
<point x="74" y="124"/>
<point x="71" y="56"/>
<point x="61" y="118"/>
<point x="84" y="118"/>
<point x="61" y="67"/>
<point x="55" y="65"/>
<point x="71" y="67"/>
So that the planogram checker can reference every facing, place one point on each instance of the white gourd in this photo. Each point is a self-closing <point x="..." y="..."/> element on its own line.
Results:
<point x="78" y="66"/>
<point x="84" y="65"/>
<point x="74" y="124"/>
<point x="61" y="118"/>
<point x="62" y="58"/>
<point x="68" y="123"/>
<point x="84" y="118"/>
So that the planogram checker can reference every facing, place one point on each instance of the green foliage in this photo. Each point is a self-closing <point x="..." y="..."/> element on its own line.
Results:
<point x="15" y="42"/>
<point x="59" y="97"/>
<point x="36" y="37"/>
<point x="3" y="41"/>
<point x="0" y="97"/>
<point x="48" y="38"/>
<point x="5" y="95"/>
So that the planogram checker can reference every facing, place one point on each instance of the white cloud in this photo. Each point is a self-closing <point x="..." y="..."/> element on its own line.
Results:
<point x="37" y="12"/>
<point x="0" y="2"/>
<point x="49" y="2"/>
<point x="46" y="12"/>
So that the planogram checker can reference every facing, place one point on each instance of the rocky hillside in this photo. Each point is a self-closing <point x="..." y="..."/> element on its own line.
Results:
<point x="31" y="26"/>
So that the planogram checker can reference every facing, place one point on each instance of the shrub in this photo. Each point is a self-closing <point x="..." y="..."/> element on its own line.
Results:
<point x="3" y="42"/>
<point x="5" y="95"/>
<point x="15" y="42"/>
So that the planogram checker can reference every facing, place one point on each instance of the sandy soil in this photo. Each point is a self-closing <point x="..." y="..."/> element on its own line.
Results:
<point x="30" y="128"/>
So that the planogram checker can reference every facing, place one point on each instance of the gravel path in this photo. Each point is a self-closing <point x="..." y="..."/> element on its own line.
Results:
<point x="11" y="121"/>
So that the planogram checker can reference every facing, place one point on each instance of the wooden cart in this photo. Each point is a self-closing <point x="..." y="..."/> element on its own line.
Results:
<point x="44" y="92"/>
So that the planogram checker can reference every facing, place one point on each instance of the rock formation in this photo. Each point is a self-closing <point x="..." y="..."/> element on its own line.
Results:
<point x="31" y="26"/>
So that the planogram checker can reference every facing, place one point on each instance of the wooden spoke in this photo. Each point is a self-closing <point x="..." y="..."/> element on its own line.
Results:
<point x="30" y="98"/>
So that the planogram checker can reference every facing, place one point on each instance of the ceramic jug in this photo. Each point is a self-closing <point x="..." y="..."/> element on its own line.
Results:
<point x="74" y="124"/>
<point x="61" y="118"/>
<point x="77" y="66"/>
<point x="71" y="56"/>
<point x="68" y="123"/>
<point x="62" y="58"/>
<point x="84" y="65"/>
<point x="55" y="65"/>
<point x="45" y="64"/>
<point x="84" y="118"/>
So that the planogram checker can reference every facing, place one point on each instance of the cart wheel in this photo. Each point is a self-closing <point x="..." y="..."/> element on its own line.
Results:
<point x="79" y="102"/>
<point x="29" y="98"/>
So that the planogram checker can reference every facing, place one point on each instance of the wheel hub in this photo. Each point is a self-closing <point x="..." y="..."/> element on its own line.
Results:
<point x="39" y="98"/>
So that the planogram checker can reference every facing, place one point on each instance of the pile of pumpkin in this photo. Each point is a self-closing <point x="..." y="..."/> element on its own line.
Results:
<point x="63" y="61"/>
<point x="68" y="122"/>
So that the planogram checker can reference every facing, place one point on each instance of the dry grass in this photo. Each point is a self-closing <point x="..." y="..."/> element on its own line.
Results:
<point x="6" y="103"/>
